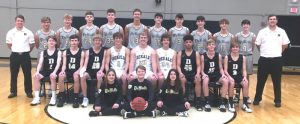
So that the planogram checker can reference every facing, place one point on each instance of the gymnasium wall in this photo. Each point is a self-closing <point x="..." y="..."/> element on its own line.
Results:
<point x="213" y="10"/>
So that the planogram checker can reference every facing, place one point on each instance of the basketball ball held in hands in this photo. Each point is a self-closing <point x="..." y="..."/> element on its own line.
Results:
<point x="139" y="104"/>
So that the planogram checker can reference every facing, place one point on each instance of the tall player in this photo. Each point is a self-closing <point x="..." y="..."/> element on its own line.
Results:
<point x="73" y="59"/>
<point x="117" y="58"/>
<point x="178" y="32"/>
<point x="246" y="39"/>
<point x="88" y="31"/>
<point x="63" y="34"/>
<point x="107" y="30"/>
<point x="212" y="71"/>
<point x="93" y="67"/>
<point x="48" y="66"/>
<point x="41" y="36"/>
<point x="166" y="59"/>
<point x="201" y="35"/>
<point x="223" y="38"/>
<point x="143" y="55"/>
<point x="157" y="31"/>
<point x="134" y="29"/>
<point x="189" y="68"/>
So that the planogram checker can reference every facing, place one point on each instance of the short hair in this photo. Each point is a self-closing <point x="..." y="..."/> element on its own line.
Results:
<point x="200" y="18"/>
<point x="52" y="37"/>
<point x="20" y="16"/>
<point x="68" y="16"/>
<point x="233" y="44"/>
<point x="97" y="37"/>
<point x="74" y="36"/>
<point x="45" y="18"/>
<point x="143" y="34"/>
<point x="245" y="21"/>
<point x="89" y="13"/>
<point x="117" y="35"/>
<point x="179" y="15"/>
<point x="222" y="21"/>
<point x="271" y="15"/>
<point x="140" y="67"/>
<point x="111" y="11"/>
<point x="158" y="15"/>
<point x="166" y="36"/>
<point x="137" y="10"/>
<point x="209" y="41"/>
<point x="188" y="37"/>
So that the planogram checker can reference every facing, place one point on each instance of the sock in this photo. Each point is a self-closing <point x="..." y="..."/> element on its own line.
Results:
<point x="231" y="100"/>
<point x="245" y="99"/>
<point x="206" y="99"/>
<point x="53" y="92"/>
<point x="36" y="94"/>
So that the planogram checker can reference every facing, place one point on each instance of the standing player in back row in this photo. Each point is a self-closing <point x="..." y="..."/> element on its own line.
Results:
<point x="201" y="35"/>
<point x="41" y="36"/>
<point x="88" y="31"/>
<point x="223" y="38"/>
<point x="117" y="58"/>
<point x="246" y="39"/>
<point x="134" y="29"/>
<point x="107" y="30"/>
<point x="63" y="34"/>
<point x="157" y="31"/>
<point x="178" y="32"/>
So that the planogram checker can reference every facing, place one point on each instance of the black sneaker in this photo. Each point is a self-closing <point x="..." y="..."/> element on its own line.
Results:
<point x="163" y="113"/>
<point x="75" y="103"/>
<point x="129" y="115"/>
<point x="94" y="113"/>
<point x="198" y="106"/>
<point x="60" y="102"/>
<point x="222" y="108"/>
<point x="207" y="108"/>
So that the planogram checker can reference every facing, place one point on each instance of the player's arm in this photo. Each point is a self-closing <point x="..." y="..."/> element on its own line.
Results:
<point x="244" y="67"/>
<point x="202" y="65"/>
<point x="198" y="62"/>
<point x="121" y="30"/>
<point x="58" y="62"/>
<point x="226" y="67"/>
<point x="132" y="61"/>
<point x="86" y="58"/>
<point x="81" y="60"/>
<point x="80" y="34"/>
<point x="101" y="31"/>
<point x="209" y="35"/>
<point x="179" y="62"/>
<point x="154" y="61"/>
<point x="31" y="40"/>
<point x="103" y="62"/>
<point x="253" y="41"/>
<point x="37" y="41"/>
<point x="107" y="59"/>
<point x="57" y="36"/>
<point x="127" y="58"/>
<point x="40" y="64"/>
<point x="174" y="60"/>
<point x="64" y="65"/>
<point x="126" y="35"/>
<point x="220" y="65"/>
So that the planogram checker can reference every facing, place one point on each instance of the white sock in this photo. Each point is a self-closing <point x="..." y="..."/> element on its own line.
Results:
<point x="53" y="92"/>
<point x="36" y="94"/>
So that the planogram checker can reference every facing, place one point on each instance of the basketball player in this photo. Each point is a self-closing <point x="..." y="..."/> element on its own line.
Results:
<point x="201" y="35"/>
<point x="41" y="36"/>
<point x="235" y="70"/>
<point x="157" y="31"/>
<point x="166" y="59"/>
<point x="73" y="59"/>
<point x="140" y="87"/>
<point x="93" y="67"/>
<point x="107" y="30"/>
<point x="189" y="68"/>
<point x="134" y="29"/>
<point x="63" y="34"/>
<point x="48" y="66"/>
<point x="223" y="38"/>
<point x="88" y="31"/>
<point x="143" y="55"/>
<point x="246" y="39"/>
<point x="171" y="97"/>
<point x="117" y="58"/>
<point x="212" y="71"/>
<point x="178" y="32"/>
<point x="108" y="102"/>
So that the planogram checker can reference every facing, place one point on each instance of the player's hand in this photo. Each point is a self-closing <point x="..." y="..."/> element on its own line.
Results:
<point x="204" y="76"/>
<point x="224" y="76"/>
<point x="36" y="74"/>
<point x="181" y="75"/>
<point x="115" y="106"/>
<point x="100" y="73"/>
<point x="187" y="105"/>
<point x="146" y="105"/>
<point x="62" y="73"/>
<point x="53" y="76"/>
<point x="197" y="76"/>
<point x="159" y="103"/>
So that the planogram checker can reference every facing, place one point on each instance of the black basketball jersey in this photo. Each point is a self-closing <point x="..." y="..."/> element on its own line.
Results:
<point x="73" y="61"/>
<point x="95" y="60"/>
<point x="188" y="63"/>
<point x="50" y="61"/>
<point x="235" y="67"/>
<point x="211" y="66"/>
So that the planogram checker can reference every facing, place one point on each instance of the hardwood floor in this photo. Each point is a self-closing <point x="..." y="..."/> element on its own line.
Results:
<point x="18" y="110"/>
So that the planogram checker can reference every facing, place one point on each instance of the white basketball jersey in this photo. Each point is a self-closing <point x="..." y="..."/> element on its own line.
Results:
<point x="118" y="59"/>
<point x="165" y="59"/>
<point x="143" y="57"/>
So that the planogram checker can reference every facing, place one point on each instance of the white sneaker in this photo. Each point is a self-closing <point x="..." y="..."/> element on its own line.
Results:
<point x="231" y="108"/>
<point x="35" y="101"/>
<point x="85" y="102"/>
<point x="246" y="108"/>
<point x="222" y="108"/>
<point x="183" y="114"/>
<point x="52" y="101"/>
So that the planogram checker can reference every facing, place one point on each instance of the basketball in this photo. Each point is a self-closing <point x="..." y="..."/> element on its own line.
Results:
<point x="138" y="104"/>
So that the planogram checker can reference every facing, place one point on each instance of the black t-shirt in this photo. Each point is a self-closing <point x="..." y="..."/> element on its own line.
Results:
<point x="188" y="64"/>
<point x="95" y="60"/>
<point x="73" y="61"/>
<point x="170" y="96"/>
<point x="235" y="67"/>
<point x="110" y="94"/>
<point x="50" y="61"/>
<point x="211" y="66"/>
<point x="140" y="89"/>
